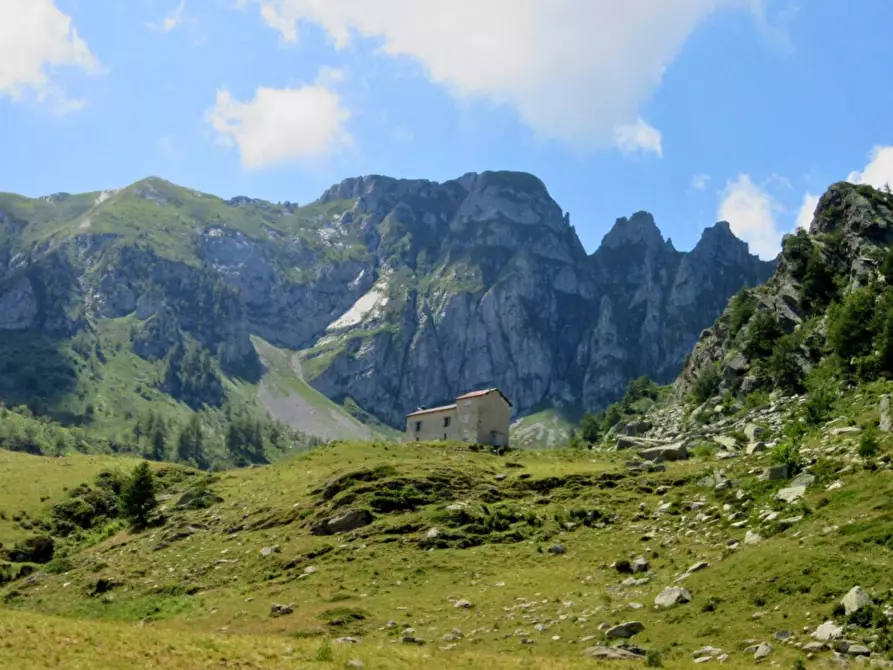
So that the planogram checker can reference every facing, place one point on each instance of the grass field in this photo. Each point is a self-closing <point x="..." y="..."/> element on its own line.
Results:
<point x="449" y="524"/>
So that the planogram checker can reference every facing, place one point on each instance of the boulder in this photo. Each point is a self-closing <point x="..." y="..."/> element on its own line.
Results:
<point x="343" y="523"/>
<point x="625" y="630"/>
<point x="827" y="631"/>
<point x="756" y="448"/>
<point x="668" y="452"/>
<point x="753" y="432"/>
<point x="775" y="473"/>
<point x="639" y="564"/>
<point x="463" y="604"/>
<point x="886" y="421"/>
<point x="750" y="537"/>
<point x="855" y="600"/>
<point x="791" y="494"/>
<point x="611" y="654"/>
<point x="726" y="441"/>
<point x="672" y="595"/>
<point x="763" y="651"/>
<point x="277" y="610"/>
<point x="804" y="479"/>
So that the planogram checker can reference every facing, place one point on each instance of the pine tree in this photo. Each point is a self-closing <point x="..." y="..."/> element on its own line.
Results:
<point x="190" y="443"/>
<point x="138" y="495"/>
<point x="158" y="440"/>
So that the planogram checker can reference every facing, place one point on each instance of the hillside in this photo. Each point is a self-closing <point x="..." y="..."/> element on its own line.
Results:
<point x="464" y="556"/>
<point x="384" y="294"/>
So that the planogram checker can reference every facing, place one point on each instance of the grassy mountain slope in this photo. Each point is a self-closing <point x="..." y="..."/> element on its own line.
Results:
<point x="542" y="430"/>
<point x="497" y="520"/>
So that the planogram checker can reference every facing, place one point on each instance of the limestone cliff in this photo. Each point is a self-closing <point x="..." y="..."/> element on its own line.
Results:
<point x="396" y="292"/>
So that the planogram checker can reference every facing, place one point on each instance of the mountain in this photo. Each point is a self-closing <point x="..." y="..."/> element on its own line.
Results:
<point x="383" y="295"/>
<point x="825" y="317"/>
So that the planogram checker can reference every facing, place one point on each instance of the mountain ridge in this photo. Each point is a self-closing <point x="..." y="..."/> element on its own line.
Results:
<point x="393" y="291"/>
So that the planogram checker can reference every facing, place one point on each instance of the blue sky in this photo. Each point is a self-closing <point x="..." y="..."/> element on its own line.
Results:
<point x="694" y="110"/>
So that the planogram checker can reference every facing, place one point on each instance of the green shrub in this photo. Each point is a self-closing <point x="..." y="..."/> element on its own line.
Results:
<point x="741" y="308"/>
<point x="868" y="442"/>
<point x="653" y="659"/>
<point x="706" y="385"/>
<point x="788" y="453"/>
<point x="762" y="334"/>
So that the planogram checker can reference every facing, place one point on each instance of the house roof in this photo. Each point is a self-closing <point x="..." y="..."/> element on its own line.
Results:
<point x="432" y="409"/>
<point x="478" y="394"/>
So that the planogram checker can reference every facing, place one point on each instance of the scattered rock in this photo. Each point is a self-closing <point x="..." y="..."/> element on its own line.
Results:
<point x="350" y="520"/>
<point x="845" y="430"/>
<point x="750" y="537"/>
<point x="756" y="448"/>
<point x="775" y="473"/>
<point x="855" y="600"/>
<point x="700" y="565"/>
<point x="753" y="432"/>
<point x="762" y="651"/>
<point x="726" y="441"/>
<point x="280" y="610"/>
<point x="347" y="640"/>
<point x="886" y="422"/>
<point x="355" y="664"/>
<point x="411" y="639"/>
<point x="814" y="647"/>
<point x="668" y="452"/>
<point x="828" y="631"/>
<point x="611" y="654"/>
<point x="625" y="630"/>
<point x="463" y="604"/>
<point x="557" y="549"/>
<point x="804" y="479"/>
<point x="672" y="595"/>
<point x="791" y="494"/>
<point x="639" y="564"/>
<point x="858" y="650"/>
<point x="269" y="551"/>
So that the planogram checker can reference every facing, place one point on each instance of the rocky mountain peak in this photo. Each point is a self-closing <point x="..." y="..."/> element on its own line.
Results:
<point x="638" y="229"/>
<point x="719" y="240"/>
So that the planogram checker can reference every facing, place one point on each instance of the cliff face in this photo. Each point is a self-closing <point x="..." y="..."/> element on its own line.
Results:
<point x="397" y="292"/>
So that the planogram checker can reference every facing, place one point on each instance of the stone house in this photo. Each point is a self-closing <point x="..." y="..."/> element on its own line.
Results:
<point x="481" y="417"/>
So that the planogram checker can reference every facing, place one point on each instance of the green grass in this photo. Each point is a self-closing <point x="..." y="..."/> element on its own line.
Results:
<point x="32" y="484"/>
<point x="215" y="578"/>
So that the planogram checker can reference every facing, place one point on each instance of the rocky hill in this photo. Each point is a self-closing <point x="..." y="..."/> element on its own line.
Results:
<point x="393" y="293"/>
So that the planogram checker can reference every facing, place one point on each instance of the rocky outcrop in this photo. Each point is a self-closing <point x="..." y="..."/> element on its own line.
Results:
<point x="841" y="252"/>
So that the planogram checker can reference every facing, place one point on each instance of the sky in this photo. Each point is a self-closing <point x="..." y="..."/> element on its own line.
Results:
<point x="694" y="110"/>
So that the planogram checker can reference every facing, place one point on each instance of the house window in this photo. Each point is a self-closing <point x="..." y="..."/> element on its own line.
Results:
<point x="446" y="422"/>
<point x="418" y="426"/>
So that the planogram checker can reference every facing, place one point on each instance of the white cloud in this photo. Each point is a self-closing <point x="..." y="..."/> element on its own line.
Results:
<point x="175" y="18"/>
<point x="751" y="211"/>
<point x="699" y="181"/>
<point x="35" y="39"/>
<point x="807" y="210"/>
<point x="574" y="70"/>
<point x="879" y="170"/>
<point x="281" y="125"/>
<point x="638" y="137"/>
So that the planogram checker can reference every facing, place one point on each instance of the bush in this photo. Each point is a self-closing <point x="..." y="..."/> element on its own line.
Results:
<point x="706" y="385"/>
<point x="782" y="366"/>
<point x="788" y="453"/>
<point x="653" y="659"/>
<point x="741" y="308"/>
<point x="868" y="442"/>
<point x="762" y="334"/>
